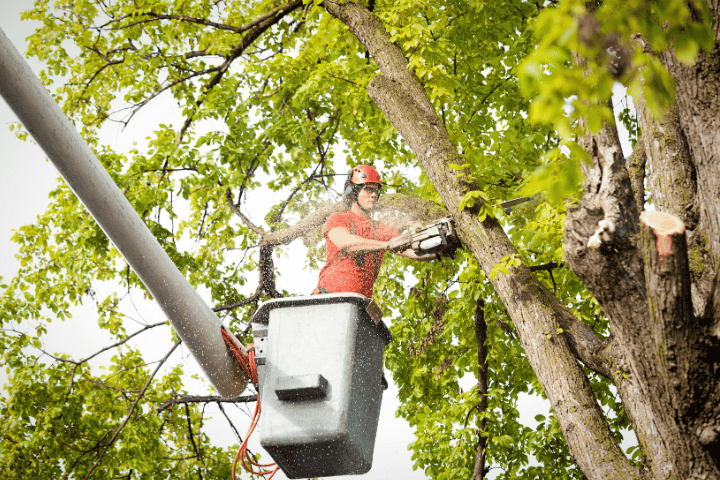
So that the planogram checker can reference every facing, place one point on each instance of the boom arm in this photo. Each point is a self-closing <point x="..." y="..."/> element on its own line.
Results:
<point x="195" y="322"/>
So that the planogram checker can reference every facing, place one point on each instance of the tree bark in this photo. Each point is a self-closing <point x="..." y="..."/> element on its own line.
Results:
<point x="667" y="392"/>
<point x="481" y="338"/>
<point x="697" y="99"/>
<point x="673" y="181"/>
<point x="534" y="311"/>
<point x="603" y="247"/>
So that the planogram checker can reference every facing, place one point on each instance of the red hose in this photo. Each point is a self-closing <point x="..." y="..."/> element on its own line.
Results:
<point x="250" y="368"/>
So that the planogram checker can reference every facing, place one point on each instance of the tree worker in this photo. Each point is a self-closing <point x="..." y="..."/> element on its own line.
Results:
<point x="356" y="243"/>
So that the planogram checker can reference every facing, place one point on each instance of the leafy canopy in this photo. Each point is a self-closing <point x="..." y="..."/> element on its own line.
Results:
<point x="274" y="104"/>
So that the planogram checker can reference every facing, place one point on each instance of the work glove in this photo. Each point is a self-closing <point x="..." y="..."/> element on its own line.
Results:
<point x="400" y="243"/>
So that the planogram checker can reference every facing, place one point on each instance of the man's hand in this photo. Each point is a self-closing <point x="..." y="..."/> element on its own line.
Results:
<point x="400" y="243"/>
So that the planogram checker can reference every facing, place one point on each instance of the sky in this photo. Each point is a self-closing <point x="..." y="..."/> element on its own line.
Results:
<point x="26" y="178"/>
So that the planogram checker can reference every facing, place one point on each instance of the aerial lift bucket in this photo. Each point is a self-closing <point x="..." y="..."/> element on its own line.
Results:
<point x="320" y="378"/>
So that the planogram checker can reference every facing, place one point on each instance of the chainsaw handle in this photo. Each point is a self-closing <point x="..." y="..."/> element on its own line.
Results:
<point x="400" y="243"/>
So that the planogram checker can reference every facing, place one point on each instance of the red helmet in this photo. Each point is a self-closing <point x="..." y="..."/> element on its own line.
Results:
<point x="358" y="176"/>
<point x="364" y="174"/>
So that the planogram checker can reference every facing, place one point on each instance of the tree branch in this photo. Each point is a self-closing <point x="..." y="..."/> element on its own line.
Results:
<point x="395" y="209"/>
<point x="236" y="211"/>
<point x="141" y="104"/>
<point x="482" y="376"/>
<point x="237" y="304"/>
<point x="636" y="169"/>
<point x="278" y="216"/>
<point x="584" y="343"/>
<point x="673" y="327"/>
<point x="80" y="362"/>
<point x="266" y="267"/>
<point x="200" y="21"/>
<point x="192" y="437"/>
<point x="122" y="341"/>
<point x="255" y="29"/>
<point x="184" y="400"/>
<point x="673" y="175"/>
<point x="232" y="425"/>
<point x="544" y="267"/>
<point x="130" y="412"/>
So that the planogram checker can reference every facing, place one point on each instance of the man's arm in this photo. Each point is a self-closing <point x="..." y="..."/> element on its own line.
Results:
<point x="410" y="253"/>
<point x="348" y="242"/>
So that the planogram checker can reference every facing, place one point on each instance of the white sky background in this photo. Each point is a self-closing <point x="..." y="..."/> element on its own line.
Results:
<point x="26" y="178"/>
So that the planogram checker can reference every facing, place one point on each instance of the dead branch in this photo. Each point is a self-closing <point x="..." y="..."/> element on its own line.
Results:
<point x="395" y="209"/>
<point x="186" y="399"/>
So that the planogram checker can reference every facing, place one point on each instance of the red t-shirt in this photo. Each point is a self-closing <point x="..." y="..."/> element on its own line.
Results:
<point x="353" y="273"/>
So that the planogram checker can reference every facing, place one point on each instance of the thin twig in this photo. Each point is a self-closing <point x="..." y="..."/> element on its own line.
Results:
<point x="278" y="216"/>
<point x="237" y="212"/>
<point x="192" y="438"/>
<point x="232" y="425"/>
<point x="235" y="305"/>
<point x="105" y="385"/>
<point x="123" y="341"/>
<point x="132" y="409"/>
<point x="104" y="349"/>
<point x="139" y="105"/>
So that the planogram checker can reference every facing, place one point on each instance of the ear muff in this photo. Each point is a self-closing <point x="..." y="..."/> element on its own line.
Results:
<point x="349" y="186"/>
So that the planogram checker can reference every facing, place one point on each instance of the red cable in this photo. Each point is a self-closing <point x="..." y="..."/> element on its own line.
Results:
<point x="250" y="368"/>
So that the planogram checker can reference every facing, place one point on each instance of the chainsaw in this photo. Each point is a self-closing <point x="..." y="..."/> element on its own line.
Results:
<point x="438" y="237"/>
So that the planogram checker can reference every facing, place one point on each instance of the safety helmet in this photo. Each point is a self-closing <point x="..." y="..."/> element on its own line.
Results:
<point x="357" y="177"/>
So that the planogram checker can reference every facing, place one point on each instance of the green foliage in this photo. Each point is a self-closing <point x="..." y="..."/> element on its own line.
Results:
<point x="285" y="116"/>
<point x="570" y="74"/>
<point x="56" y="420"/>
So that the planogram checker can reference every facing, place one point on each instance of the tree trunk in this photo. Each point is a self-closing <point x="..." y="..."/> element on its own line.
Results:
<point x="660" y="356"/>
<point x="675" y="190"/>
<point x="537" y="314"/>
<point x="481" y="337"/>
<point x="655" y="285"/>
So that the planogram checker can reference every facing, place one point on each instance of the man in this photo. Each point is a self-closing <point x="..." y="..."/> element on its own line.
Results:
<point x="355" y="243"/>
